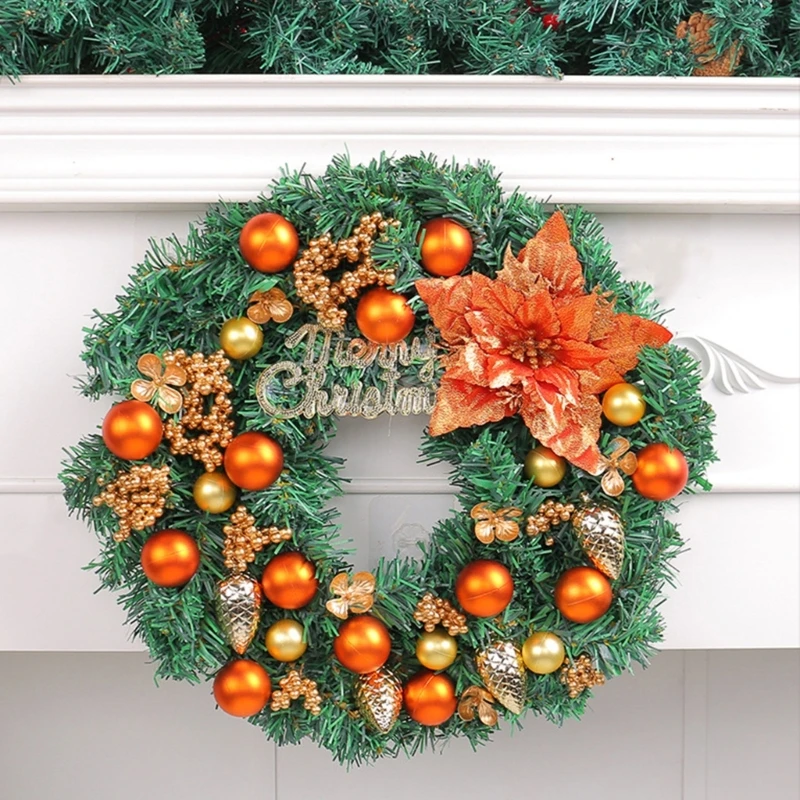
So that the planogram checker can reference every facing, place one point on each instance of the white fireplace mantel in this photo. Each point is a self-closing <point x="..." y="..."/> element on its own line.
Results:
<point x="697" y="182"/>
<point x="633" y="144"/>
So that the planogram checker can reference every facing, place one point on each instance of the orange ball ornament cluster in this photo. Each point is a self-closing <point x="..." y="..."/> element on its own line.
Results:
<point x="446" y="247"/>
<point x="269" y="242"/>
<point x="583" y="594"/>
<point x="132" y="430"/>
<point x="253" y="461"/>
<point x="661" y="473"/>
<point x="170" y="558"/>
<point x="289" y="581"/>
<point x="384" y="317"/>
<point x="242" y="688"/>
<point x="484" y="588"/>
<point x="430" y="698"/>
<point x="363" y="644"/>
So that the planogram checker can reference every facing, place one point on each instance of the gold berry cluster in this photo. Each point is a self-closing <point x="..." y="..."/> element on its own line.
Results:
<point x="243" y="539"/>
<point x="581" y="675"/>
<point x="136" y="497"/>
<point x="432" y="611"/>
<point x="548" y="514"/>
<point x="323" y="254"/>
<point x="292" y="686"/>
<point x="710" y="63"/>
<point x="206" y="376"/>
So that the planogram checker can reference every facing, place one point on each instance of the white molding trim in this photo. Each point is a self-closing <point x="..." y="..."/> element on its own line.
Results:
<point x="619" y="144"/>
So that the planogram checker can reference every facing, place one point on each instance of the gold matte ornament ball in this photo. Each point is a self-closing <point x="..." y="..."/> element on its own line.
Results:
<point x="543" y="652"/>
<point x="544" y="467"/>
<point x="213" y="492"/>
<point x="623" y="404"/>
<point x="241" y="338"/>
<point x="436" y="650"/>
<point x="286" y="640"/>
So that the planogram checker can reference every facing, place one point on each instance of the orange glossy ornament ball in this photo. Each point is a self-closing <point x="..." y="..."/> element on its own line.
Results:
<point x="289" y="581"/>
<point x="269" y="242"/>
<point x="132" y="430"/>
<point x="484" y="588"/>
<point x="430" y="698"/>
<point x="583" y="594"/>
<point x="661" y="473"/>
<point x="170" y="558"/>
<point x="242" y="688"/>
<point x="446" y="247"/>
<point x="363" y="644"/>
<point x="253" y="461"/>
<point x="384" y="317"/>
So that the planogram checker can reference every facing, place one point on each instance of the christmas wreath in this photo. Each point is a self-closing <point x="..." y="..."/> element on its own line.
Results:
<point x="403" y="286"/>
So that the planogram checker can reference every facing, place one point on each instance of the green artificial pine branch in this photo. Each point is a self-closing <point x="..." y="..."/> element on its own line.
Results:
<point x="180" y="295"/>
<point x="626" y="37"/>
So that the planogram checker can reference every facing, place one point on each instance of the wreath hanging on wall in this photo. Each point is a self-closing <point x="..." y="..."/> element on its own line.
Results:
<point x="403" y="286"/>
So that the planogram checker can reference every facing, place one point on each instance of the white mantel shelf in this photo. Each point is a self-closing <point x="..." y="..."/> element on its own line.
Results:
<point x="612" y="144"/>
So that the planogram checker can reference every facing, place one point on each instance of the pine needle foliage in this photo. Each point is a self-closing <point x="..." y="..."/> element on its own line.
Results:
<point x="510" y="37"/>
<point x="180" y="295"/>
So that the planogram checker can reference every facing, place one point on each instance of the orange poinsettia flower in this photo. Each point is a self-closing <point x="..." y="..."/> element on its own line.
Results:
<point x="534" y="342"/>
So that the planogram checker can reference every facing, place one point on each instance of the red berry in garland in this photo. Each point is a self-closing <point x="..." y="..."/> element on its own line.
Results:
<point x="551" y="21"/>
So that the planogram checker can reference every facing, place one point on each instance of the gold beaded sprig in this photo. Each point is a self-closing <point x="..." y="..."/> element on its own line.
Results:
<point x="581" y="675"/>
<point x="137" y="497"/>
<point x="206" y="376"/>
<point x="323" y="254"/>
<point x="293" y="686"/>
<point x="243" y="539"/>
<point x="432" y="611"/>
<point x="548" y="514"/>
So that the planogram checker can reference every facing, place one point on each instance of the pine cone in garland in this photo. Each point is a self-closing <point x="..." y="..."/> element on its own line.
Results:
<point x="710" y="64"/>
<point x="379" y="697"/>
<point x="503" y="672"/>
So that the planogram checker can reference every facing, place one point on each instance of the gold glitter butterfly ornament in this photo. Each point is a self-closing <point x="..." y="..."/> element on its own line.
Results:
<point x="352" y="598"/>
<point x="162" y="379"/>
<point x="491" y="525"/>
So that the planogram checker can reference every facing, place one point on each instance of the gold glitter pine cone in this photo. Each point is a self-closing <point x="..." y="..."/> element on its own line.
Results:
<point x="237" y="604"/>
<point x="601" y="535"/>
<point x="503" y="673"/>
<point x="379" y="698"/>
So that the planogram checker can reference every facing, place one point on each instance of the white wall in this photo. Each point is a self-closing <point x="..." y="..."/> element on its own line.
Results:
<point x="694" y="726"/>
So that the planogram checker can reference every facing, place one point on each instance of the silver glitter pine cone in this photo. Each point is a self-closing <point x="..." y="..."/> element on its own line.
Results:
<point x="238" y="603"/>
<point x="503" y="672"/>
<point x="379" y="697"/>
<point x="602" y="536"/>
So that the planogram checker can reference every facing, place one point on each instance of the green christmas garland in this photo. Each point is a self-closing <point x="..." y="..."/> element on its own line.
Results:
<point x="176" y="304"/>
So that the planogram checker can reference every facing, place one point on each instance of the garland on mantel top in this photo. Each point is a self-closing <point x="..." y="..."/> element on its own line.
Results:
<point x="402" y="286"/>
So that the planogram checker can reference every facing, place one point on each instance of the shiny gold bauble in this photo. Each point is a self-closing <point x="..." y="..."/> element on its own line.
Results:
<point x="363" y="644"/>
<point x="214" y="492"/>
<point x="170" y="558"/>
<point x="430" y="698"/>
<point x="661" y="473"/>
<point x="241" y="338"/>
<point x="132" y="430"/>
<point x="436" y="650"/>
<point x="269" y="242"/>
<point x="253" y="461"/>
<point x="242" y="688"/>
<point x="583" y="594"/>
<point x="286" y="640"/>
<point x="543" y="652"/>
<point x="289" y="581"/>
<point x="446" y="247"/>
<point x="623" y="404"/>
<point x="384" y="317"/>
<point x="484" y="588"/>
<point x="544" y="467"/>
